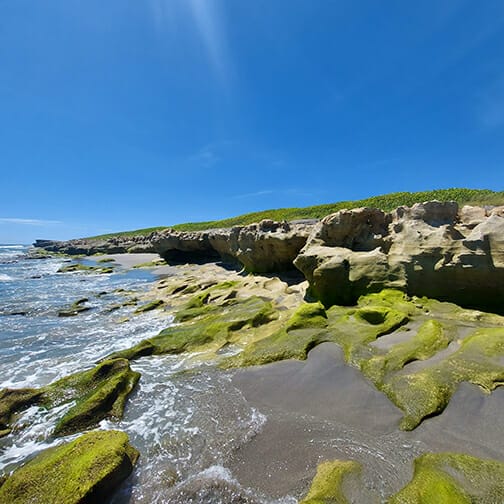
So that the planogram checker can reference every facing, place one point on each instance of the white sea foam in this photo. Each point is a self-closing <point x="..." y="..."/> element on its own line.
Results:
<point x="5" y="278"/>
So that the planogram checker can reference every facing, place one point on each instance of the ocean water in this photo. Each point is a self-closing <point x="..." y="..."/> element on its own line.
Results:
<point x="185" y="425"/>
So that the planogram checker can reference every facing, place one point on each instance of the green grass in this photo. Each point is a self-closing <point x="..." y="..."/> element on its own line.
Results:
<point x="386" y="202"/>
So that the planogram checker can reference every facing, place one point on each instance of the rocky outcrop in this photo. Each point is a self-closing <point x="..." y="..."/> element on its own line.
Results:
<point x="431" y="249"/>
<point x="113" y="245"/>
<point x="267" y="246"/>
<point x="87" y="469"/>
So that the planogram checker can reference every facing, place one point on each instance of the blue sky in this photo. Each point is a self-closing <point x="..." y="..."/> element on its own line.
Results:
<point x="126" y="114"/>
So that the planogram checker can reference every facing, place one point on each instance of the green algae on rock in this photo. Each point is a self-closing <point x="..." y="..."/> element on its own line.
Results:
<point x="71" y="268"/>
<point x="420" y="393"/>
<point x="303" y="331"/>
<point x="87" y="469"/>
<point x="428" y="391"/>
<point x="327" y="486"/>
<point x="99" y="393"/>
<point x="153" y="305"/>
<point x="75" y="308"/>
<point x="430" y="338"/>
<point x="13" y="400"/>
<point x="441" y="478"/>
<point x="216" y="326"/>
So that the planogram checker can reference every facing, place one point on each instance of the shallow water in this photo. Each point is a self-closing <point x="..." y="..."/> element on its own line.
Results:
<point x="185" y="419"/>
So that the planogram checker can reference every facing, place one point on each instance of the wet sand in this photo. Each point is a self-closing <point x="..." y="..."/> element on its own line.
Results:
<point x="319" y="409"/>
<point x="322" y="409"/>
<point x="126" y="260"/>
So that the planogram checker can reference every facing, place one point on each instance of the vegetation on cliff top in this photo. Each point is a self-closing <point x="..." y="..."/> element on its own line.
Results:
<point x="386" y="202"/>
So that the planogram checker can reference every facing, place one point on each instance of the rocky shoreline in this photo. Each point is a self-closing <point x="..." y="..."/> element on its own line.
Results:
<point x="432" y="249"/>
<point x="370" y="311"/>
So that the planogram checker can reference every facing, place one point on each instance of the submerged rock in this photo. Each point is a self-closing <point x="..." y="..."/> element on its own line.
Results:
<point x="85" y="470"/>
<point x="99" y="393"/>
<point x="75" y="308"/>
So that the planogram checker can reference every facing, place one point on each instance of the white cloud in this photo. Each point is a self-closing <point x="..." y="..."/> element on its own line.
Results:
<point x="29" y="222"/>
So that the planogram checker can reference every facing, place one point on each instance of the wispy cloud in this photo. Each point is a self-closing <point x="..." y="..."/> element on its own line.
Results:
<point x="206" y="157"/>
<point x="29" y="222"/>
<point x="208" y="22"/>
<point x="207" y="18"/>
<point x="253" y="194"/>
<point x="265" y="192"/>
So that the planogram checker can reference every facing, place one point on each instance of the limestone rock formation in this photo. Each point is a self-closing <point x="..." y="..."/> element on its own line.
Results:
<point x="431" y="249"/>
<point x="267" y="246"/>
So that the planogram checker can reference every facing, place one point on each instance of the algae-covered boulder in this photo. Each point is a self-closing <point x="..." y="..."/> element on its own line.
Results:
<point x="442" y="478"/>
<point x="328" y="485"/>
<point x="86" y="470"/>
<point x="99" y="393"/>
<point x="13" y="400"/>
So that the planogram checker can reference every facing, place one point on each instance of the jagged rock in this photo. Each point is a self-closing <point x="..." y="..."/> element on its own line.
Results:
<point x="430" y="249"/>
<point x="87" y="469"/>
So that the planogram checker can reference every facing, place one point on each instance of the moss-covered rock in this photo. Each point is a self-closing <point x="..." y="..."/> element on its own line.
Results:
<point x="106" y="260"/>
<point x="303" y="331"/>
<point x="85" y="470"/>
<point x="327" y="486"/>
<point x="153" y="305"/>
<point x="217" y="326"/>
<point x="151" y="264"/>
<point x="99" y="393"/>
<point x="452" y="478"/>
<point x="427" y="392"/>
<point x="75" y="308"/>
<point x="12" y="401"/>
<point x="430" y="338"/>
<point x="84" y="268"/>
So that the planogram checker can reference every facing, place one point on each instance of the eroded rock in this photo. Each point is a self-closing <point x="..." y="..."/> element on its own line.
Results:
<point x="430" y="249"/>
